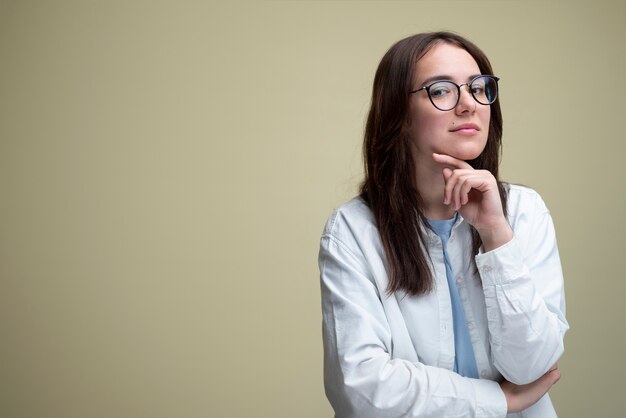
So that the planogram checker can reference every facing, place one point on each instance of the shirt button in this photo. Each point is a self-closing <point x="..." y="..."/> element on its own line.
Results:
<point x="483" y="374"/>
<point x="487" y="269"/>
<point x="470" y="324"/>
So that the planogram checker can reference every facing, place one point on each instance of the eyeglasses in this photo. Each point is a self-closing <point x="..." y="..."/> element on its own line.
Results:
<point x="445" y="94"/>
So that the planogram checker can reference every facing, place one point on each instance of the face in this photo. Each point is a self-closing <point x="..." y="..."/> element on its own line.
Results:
<point x="461" y="132"/>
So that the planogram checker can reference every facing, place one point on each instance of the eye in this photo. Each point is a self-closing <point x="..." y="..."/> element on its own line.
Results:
<point x="478" y="88"/>
<point x="438" y="90"/>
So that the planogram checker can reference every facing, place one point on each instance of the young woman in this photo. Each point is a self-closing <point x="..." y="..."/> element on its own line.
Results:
<point x="442" y="289"/>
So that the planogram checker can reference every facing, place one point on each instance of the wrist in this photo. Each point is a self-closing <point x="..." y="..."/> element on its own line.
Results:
<point x="495" y="237"/>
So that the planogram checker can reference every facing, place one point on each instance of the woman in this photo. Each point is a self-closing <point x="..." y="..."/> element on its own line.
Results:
<point x="442" y="290"/>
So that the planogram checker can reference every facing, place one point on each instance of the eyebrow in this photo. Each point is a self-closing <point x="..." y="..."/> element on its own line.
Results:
<point x="445" y="77"/>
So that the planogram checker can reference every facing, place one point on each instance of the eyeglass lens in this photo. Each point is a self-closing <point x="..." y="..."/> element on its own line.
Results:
<point x="445" y="94"/>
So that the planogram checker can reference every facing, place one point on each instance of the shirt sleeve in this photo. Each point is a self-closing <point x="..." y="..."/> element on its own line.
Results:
<point x="361" y="377"/>
<point x="523" y="286"/>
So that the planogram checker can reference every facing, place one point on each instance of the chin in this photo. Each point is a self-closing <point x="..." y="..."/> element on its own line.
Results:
<point x="466" y="154"/>
<point x="465" y="148"/>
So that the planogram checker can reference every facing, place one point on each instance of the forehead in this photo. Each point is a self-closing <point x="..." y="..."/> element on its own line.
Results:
<point x="449" y="61"/>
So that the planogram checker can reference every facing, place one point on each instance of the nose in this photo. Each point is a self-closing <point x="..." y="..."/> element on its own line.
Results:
<point x="466" y="100"/>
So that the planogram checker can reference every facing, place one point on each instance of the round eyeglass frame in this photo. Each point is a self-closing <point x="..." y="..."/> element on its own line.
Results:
<point x="458" y="87"/>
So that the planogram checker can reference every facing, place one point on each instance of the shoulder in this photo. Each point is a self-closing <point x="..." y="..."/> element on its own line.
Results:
<point x="524" y="200"/>
<point x="354" y="214"/>
<point x="527" y="213"/>
<point x="353" y="227"/>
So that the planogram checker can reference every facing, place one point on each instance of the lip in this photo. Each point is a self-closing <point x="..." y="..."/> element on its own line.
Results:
<point x="466" y="128"/>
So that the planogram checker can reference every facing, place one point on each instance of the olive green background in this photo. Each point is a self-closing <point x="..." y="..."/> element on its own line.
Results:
<point x="166" y="168"/>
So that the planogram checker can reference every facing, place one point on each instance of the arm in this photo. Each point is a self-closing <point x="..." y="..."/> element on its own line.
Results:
<point x="520" y="397"/>
<point x="523" y="286"/>
<point x="360" y="375"/>
<point x="520" y="272"/>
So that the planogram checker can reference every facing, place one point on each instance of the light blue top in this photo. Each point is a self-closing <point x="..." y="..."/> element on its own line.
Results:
<point x="464" y="361"/>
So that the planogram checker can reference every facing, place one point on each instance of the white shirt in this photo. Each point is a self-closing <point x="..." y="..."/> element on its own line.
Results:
<point x="392" y="355"/>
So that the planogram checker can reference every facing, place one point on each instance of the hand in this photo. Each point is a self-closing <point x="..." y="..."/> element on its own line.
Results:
<point x="475" y="195"/>
<point x="520" y="397"/>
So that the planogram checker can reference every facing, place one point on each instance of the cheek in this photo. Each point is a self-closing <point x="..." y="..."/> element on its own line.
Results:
<point x="428" y="122"/>
<point x="428" y="125"/>
<point x="487" y="116"/>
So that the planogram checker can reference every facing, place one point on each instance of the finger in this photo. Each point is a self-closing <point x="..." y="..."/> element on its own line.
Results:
<point x="465" y="189"/>
<point x="554" y="373"/>
<point x="447" y="173"/>
<point x="450" y="161"/>
<point x="451" y="181"/>
<point x="457" y="187"/>
<point x="451" y="190"/>
<point x="473" y="180"/>
<point x="457" y="192"/>
<point x="550" y="378"/>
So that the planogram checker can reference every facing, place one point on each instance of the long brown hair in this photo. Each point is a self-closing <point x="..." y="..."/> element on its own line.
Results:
<point x="389" y="186"/>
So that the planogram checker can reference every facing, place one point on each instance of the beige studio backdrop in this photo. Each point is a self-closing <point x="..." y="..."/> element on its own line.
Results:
<point x="166" y="168"/>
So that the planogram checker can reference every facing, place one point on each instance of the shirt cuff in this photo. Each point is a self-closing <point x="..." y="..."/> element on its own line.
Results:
<point x="490" y="400"/>
<point x="501" y="265"/>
